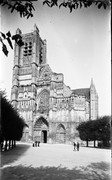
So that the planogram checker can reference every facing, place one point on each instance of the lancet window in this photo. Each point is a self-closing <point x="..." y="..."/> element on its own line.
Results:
<point x="28" y="49"/>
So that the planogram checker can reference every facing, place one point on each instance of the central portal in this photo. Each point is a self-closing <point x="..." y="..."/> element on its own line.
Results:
<point x="41" y="130"/>
<point x="44" y="136"/>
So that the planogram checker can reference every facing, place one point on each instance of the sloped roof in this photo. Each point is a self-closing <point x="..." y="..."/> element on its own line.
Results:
<point x="83" y="92"/>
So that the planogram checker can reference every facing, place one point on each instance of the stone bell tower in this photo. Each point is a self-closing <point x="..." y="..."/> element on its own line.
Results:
<point x="27" y="59"/>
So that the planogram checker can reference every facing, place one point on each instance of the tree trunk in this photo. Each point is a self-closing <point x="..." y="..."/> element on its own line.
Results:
<point x="14" y="143"/>
<point x="94" y="143"/>
<point x="5" y="145"/>
<point x="2" y="145"/>
<point x="9" y="144"/>
<point x="87" y="143"/>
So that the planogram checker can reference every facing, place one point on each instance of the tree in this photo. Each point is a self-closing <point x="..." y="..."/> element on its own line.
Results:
<point x="103" y="130"/>
<point x="11" y="124"/>
<point x="98" y="129"/>
<point x="84" y="132"/>
<point x="26" y="9"/>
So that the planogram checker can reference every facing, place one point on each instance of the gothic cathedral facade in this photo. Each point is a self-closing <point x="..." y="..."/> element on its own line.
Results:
<point x="50" y="108"/>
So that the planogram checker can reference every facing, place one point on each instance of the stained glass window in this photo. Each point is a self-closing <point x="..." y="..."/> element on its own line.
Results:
<point x="44" y="103"/>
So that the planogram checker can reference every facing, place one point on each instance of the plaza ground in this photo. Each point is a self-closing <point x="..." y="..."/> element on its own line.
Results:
<point x="55" y="162"/>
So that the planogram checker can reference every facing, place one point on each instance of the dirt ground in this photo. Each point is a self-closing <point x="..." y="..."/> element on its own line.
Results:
<point x="55" y="162"/>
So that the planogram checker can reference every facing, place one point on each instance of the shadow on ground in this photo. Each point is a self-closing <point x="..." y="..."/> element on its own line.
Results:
<point x="12" y="155"/>
<point x="94" y="171"/>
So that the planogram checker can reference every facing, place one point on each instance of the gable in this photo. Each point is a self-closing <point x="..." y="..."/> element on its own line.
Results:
<point x="45" y="72"/>
<point x="66" y="91"/>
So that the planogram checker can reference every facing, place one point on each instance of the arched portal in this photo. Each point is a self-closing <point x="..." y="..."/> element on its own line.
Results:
<point x="60" y="134"/>
<point x="41" y="130"/>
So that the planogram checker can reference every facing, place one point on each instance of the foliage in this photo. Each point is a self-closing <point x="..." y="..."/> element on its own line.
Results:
<point x="26" y="8"/>
<point x="75" y="4"/>
<point x="95" y="130"/>
<point x="8" y="38"/>
<point x="11" y="123"/>
<point x="83" y="129"/>
<point x="103" y="128"/>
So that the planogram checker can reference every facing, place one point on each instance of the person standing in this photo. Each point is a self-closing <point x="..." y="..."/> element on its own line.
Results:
<point x="74" y="146"/>
<point x="33" y="143"/>
<point x="36" y="143"/>
<point x="77" y="146"/>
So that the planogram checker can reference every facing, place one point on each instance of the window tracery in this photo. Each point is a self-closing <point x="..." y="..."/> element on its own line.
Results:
<point x="44" y="103"/>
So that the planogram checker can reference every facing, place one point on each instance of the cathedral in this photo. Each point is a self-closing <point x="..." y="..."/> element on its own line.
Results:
<point x="51" y="109"/>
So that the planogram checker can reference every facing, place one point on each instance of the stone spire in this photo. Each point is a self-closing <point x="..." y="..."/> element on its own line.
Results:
<point x="36" y="28"/>
<point x="18" y="31"/>
<point x="91" y="81"/>
<point x="92" y="87"/>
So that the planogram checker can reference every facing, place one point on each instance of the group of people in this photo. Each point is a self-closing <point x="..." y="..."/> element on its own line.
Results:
<point x="76" y="146"/>
<point x="35" y="143"/>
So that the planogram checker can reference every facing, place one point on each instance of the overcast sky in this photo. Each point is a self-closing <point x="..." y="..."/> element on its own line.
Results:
<point x="78" y="45"/>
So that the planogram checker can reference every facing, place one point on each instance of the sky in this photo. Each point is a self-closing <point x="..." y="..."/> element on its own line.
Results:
<point x="78" y="45"/>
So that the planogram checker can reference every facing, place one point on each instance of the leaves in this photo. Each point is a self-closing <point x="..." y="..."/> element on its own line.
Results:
<point x="12" y="7"/>
<point x="18" y="39"/>
<point x="8" y="34"/>
<point x="30" y="6"/>
<point x="75" y="4"/>
<point x="51" y="3"/>
<point x="95" y="130"/>
<point x="105" y="6"/>
<point x="10" y="43"/>
<point x="54" y="2"/>
<point x="24" y="8"/>
<point x="7" y="37"/>
<point x="3" y="35"/>
<point x="99" y="5"/>
<point x="80" y="4"/>
<point x="4" y="49"/>
<point x="46" y="2"/>
<point x="64" y="4"/>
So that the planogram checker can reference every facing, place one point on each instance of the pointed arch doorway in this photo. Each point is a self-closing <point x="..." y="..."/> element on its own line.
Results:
<point x="44" y="136"/>
<point x="41" y="130"/>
